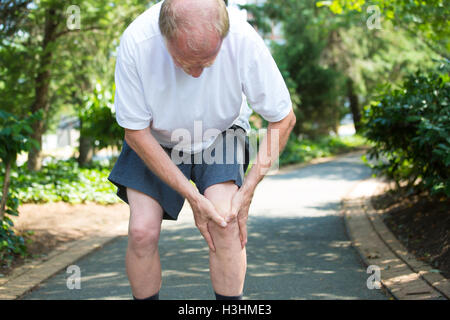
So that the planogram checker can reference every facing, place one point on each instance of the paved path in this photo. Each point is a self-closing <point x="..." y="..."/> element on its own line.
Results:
<point x="297" y="249"/>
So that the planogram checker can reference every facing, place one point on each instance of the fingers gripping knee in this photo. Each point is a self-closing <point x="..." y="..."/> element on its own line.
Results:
<point x="224" y="237"/>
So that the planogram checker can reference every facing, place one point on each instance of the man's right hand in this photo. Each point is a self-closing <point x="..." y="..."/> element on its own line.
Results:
<point x="204" y="211"/>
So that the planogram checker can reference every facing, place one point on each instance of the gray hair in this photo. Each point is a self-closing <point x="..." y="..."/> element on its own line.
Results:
<point x="212" y="15"/>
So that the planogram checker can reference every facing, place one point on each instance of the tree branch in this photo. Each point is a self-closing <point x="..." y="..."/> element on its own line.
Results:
<point x="62" y="33"/>
<point x="424" y="41"/>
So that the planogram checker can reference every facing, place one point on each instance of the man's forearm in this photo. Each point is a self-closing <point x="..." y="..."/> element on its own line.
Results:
<point x="271" y="147"/>
<point x="157" y="160"/>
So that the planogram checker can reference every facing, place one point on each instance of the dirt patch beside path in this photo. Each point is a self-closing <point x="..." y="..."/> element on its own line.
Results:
<point x="421" y="224"/>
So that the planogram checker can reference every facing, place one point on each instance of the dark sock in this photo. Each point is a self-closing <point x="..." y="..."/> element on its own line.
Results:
<point x="154" y="297"/>
<point x="221" y="297"/>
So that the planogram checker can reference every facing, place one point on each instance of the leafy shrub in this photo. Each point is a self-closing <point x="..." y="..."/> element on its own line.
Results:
<point x="303" y="150"/>
<point x="64" y="181"/>
<point x="14" y="138"/>
<point x="410" y="129"/>
<point x="10" y="242"/>
<point x="98" y="119"/>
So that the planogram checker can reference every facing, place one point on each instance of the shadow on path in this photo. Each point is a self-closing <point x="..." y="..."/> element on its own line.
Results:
<point x="297" y="248"/>
<point x="288" y="258"/>
<point x="341" y="169"/>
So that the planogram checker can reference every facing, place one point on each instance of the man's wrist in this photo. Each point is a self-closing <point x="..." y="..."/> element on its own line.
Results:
<point x="248" y="187"/>
<point x="192" y="195"/>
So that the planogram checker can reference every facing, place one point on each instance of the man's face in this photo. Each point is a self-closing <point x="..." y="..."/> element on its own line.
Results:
<point x="190" y="61"/>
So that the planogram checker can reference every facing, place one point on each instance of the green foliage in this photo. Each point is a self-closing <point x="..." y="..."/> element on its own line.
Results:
<point x="14" y="135"/>
<point x="14" y="138"/>
<point x="64" y="181"/>
<point x="427" y="20"/>
<point x="11" y="244"/>
<point x="98" y="120"/>
<point x="316" y="88"/>
<point x="410" y="129"/>
<point x="303" y="150"/>
<point x="46" y="65"/>
<point x="322" y="51"/>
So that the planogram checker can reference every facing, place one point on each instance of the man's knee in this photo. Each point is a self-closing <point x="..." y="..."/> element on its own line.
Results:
<point x="221" y="195"/>
<point x="143" y="234"/>
<point x="140" y="236"/>
<point x="145" y="222"/>
<point x="224" y="238"/>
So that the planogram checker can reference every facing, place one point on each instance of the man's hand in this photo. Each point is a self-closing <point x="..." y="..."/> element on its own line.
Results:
<point x="269" y="151"/>
<point x="204" y="211"/>
<point x="240" y="205"/>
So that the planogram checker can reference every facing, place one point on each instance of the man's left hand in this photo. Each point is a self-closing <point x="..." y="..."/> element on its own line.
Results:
<point x="240" y="205"/>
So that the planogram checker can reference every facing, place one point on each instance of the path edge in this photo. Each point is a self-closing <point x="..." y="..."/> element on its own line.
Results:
<point x="402" y="274"/>
<point x="26" y="278"/>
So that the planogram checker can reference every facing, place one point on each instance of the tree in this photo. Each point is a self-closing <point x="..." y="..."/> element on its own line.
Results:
<point x="315" y="87"/>
<point x="50" y="42"/>
<point x="426" y="20"/>
<point x="334" y="62"/>
<point x="91" y="60"/>
<point x="12" y="14"/>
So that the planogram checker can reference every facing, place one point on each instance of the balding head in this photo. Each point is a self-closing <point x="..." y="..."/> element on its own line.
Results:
<point x="195" y="16"/>
<point x="193" y="30"/>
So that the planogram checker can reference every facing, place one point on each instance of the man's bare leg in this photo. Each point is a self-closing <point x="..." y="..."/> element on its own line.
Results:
<point x="142" y="259"/>
<point x="228" y="264"/>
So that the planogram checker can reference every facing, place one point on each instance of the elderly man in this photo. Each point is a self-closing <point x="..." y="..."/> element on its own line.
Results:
<point x="180" y="64"/>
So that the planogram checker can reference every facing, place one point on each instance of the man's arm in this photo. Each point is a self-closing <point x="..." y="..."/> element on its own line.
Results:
<point x="270" y="149"/>
<point x="157" y="160"/>
<point x="268" y="153"/>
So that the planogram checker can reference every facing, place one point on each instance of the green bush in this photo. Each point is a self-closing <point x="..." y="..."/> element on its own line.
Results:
<point x="303" y="150"/>
<point x="99" y="121"/>
<point x="64" y="181"/>
<point x="410" y="129"/>
<point x="14" y="138"/>
<point x="11" y="243"/>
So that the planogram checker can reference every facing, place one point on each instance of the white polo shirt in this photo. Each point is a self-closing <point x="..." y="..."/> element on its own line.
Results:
<point x="188" y="113"/>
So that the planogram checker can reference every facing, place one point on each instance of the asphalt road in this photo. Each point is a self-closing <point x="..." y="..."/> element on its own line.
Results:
<point x="297" y="249"/>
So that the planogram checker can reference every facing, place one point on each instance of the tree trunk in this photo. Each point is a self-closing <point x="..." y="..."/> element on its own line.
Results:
<point x="41" y="100"/>
<point x="86" y="149"/>
<point x="5" y="189"/>
<point x="354" y="104"/>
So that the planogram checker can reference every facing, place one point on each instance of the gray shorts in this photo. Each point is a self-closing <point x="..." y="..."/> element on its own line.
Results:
<point x="131" y="172"/>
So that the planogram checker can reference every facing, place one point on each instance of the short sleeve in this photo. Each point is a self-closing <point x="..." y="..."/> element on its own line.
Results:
<point x="263" y="83"/>
<point x="129" y="102"/>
